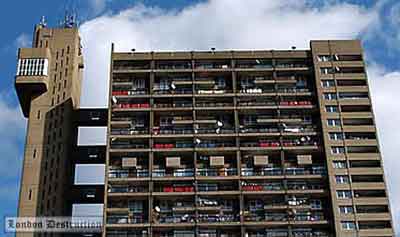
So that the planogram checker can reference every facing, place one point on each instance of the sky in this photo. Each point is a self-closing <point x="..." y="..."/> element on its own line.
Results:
<point x="200" y="25"/>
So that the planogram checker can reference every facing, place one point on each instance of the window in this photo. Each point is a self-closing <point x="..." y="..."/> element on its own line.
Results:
<point x="346" y="209"/>
<point x="330" y="96"/>
<point x="38" y="114"/>
<point x="327" y="70"/>
<point x="337" y="150"/>
<point x="68" y="49"/>
<point x="339" y="164"/>
<point x="331" y="109"/>
<point x="34" y="153"/>
<point x="333" y="122"/>
<point x="327" y="83"/>
<point x="66" y="72"/>
<point x="343" y="194"/>
<point x="324" y="58"/>
<point x="89" y="174"/>
<point x="316" y="204"/>
<point x="33" y="67"/>
<point x="342" y="179"/>
<point x="348" y="225"/>
<point x="335" y="136"/>
<point x="353" y="95"/>
<point x="30" y="194"/>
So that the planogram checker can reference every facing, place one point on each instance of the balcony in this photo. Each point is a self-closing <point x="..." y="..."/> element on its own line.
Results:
<point x="131" y="173"/>
<point x="249" y="187"/>
<point x="261" y="171"/>
<point x="170" y="173"/>
<point x="217" y="218"/>
<point x="32" y="75"/>
<point x="254" y="64"/>
<point x="216" y="172"/>
<point x="313" y="170"/>
<point x="125" y="220"/>
<point x="127" y="189"/>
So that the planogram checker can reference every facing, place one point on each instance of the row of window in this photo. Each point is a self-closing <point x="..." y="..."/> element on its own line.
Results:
<point x="345" y="95"/>
<point x="365" y="225"/>
<point x="331" y="83"/>
<point x="339" y="57"/>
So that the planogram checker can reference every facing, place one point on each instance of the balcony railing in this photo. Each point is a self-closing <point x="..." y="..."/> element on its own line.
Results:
<point x="174" y="105"/>
<point x="315" y="170"/>
<point x="216" y="171"/>
<point x="247" y="186"/>
<point x="261" y="171"/>
<point x="138" y="219"/>
<point x="129" y="92"/>
<point x="123" y="131"/>
<point x="127" y="145"/>
<point x="212" y="218"/>
<point x="132" y="106"/>
<point x="181" y="218"/>
<point x="136" y="173"/>
<point x="175" y="173"/>
<point x="127" y="189"/>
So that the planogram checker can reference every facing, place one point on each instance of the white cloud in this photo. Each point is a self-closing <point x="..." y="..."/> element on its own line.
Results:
<point x="224" y="24"/>
<point x="385" y="87"/>
<point x="12" y="125"/>
<point x="23" y="41"/>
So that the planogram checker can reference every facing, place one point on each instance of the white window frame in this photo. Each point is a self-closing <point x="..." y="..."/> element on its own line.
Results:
<point x="337" y="150"/>
<point x="342" y="179"/>
<point x="335" y="122"/>
<point x="343" y="164"/>
<point x="331" y="109"/>
<point x="346" y="209"/>
<point x="336" y="136"/>
<point x="330" y="96"/>
<point x="348" y="225"/>
<point x="342" y="194"/>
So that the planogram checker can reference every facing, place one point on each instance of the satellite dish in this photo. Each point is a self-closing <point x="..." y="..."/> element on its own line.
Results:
<point x="220" y="124"/>
<point x="198" y="141"/>
<point x="157" y="209"/>
<point x="173" y="86"/>
<point x="114" y="99"/>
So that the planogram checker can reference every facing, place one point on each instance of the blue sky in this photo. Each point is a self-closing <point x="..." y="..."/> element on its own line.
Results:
<point x="224" y="24"/>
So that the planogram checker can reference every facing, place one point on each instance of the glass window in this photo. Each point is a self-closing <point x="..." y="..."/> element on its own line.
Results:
<point x="337" y="150"/>
<point x="343" y="194"/>
<point x="339" y="164"/>
<point x="327" y="83"/>
<point x="331" y="109"/>
<point x="92" y="136"/>
<point x="89" y="174"/>
<point x="330" y="96"/>
<point x="324" y="58"/>
<point x="327" y="70"/>
<point x="348" y="225"/>
<point x="333" y="122"/>
<point x="336" y="136"/>
<point x="342" y="179"/>
<point x="346" y="209"/>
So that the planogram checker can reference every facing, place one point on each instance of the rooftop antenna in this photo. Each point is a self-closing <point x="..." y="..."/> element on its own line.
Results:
<point x="69" y="19"/>
<point x="43" y="22"/>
